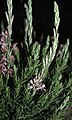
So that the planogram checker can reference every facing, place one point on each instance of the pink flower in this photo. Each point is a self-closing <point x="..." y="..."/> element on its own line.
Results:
<point x="3" y="69"/>
<point x="4" y="47"/>
<point x="6" y="33"/>
<point x="12" y="58"/>
<point x="2" y="39"/>
<point x="15" y="48"/>
<point x="10" y="72"/>
<point x="4" y="60"/>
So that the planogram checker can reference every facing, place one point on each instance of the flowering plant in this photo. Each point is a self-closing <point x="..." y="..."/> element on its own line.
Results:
<point x="39" y="90"/>
<point x="7" y="57"/>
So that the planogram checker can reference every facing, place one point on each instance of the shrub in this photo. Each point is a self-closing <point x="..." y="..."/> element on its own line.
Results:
<point x="38" y="91"/>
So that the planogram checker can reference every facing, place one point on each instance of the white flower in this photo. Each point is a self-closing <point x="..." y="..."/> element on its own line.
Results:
<point x="36" y="84"/>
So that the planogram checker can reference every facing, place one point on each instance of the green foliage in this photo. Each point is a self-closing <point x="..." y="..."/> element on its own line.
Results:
<point x="9" y="17"/>
<point x="39" y="92"/>
<point x="28" y="22"/>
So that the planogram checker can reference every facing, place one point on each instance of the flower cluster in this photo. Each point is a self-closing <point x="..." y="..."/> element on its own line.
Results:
<point x="6" y="55"/>
<point x="36" y="84"/>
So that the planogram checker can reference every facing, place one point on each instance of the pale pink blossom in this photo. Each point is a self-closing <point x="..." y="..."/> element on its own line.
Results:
<point x="10" y="72"/>
<point x="12" y="58"/>
<point x="3" y="69"/>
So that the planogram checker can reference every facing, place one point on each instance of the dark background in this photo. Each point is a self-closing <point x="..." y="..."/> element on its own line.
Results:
<point x="43" y="18"/>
